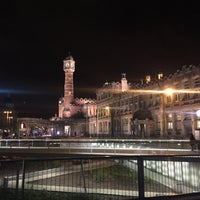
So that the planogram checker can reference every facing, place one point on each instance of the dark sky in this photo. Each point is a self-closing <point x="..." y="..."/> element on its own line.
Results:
<point x="105" y="37"/>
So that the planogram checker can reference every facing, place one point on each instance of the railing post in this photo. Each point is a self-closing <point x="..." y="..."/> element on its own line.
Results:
<point x="83" y="176"/>
<point x="140" y="163"/>
<point x="69" y="147"/>
<point x="23" y="177"/>
<point x="17" y="179"/>
<point x="91" y="150"/>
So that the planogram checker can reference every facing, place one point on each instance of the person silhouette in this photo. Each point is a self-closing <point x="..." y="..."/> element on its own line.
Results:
<point x="192" y="141"/>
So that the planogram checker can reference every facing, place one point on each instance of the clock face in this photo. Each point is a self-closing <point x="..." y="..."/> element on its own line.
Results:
<point x="69" y="65"/>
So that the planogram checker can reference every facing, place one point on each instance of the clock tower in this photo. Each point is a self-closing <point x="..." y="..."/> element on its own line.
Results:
<point x="69" y="68"/>
<point x="66" y="102"/>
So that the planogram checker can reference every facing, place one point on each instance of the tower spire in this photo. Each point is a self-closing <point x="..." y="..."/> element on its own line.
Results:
<point x="69" y="56"/>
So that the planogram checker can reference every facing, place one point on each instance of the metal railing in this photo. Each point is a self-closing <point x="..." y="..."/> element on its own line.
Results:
<point x="97" y="143"/>
<point x="53" y="147"/>
<point x="109" y="177"/>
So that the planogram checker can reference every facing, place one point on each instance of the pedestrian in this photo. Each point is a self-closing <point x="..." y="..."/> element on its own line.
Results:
<point x="192" y="141"/>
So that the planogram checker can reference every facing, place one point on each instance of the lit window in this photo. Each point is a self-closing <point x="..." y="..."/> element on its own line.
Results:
<point x="170" y="125"/>
<point x="198" y="124"/>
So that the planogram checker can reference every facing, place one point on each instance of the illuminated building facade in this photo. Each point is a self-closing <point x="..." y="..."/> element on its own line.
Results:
<point x="147" y="109"/>
<point x="110" y="110"/>
<point x="142" y="110"/>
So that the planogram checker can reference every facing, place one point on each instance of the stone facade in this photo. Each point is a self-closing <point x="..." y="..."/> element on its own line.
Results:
<point x="146" y="109"/>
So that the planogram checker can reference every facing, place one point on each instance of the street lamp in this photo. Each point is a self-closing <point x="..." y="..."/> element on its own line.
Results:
<point x="198" y="113"/>
<point x="7" y="114"/>
<point x="96" y="124"/>
<point x="9" y="117"/>
<point x="168" y="91"/>
<point x="109" y="113"/>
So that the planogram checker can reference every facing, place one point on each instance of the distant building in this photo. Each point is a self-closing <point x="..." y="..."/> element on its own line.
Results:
<point x="8" y="118"/>
<point x="36" y="127"/>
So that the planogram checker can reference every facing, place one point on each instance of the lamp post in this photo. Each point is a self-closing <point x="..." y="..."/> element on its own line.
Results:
<point x="110" y="111"/>
<point x="97" y="117"/>
<point x="167" y="92"/>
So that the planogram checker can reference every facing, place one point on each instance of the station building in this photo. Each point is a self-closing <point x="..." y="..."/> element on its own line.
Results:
<point x="163" y="107"/>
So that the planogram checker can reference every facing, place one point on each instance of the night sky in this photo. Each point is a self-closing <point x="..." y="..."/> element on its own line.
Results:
<point x="105" y="37"/>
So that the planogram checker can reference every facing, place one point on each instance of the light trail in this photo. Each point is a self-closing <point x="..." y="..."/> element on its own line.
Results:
<point x="197" y="91"/>
<point x="166" y="91"/>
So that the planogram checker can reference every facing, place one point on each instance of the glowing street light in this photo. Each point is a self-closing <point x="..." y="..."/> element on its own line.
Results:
<point x="8" y="120"/>
<point x="168" y="91"/>
<point x="198" y="113"/>
<point x="7" y="114"/>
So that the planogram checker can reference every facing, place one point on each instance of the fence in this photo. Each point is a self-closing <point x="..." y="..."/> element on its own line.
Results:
<point x="100" y="178"/>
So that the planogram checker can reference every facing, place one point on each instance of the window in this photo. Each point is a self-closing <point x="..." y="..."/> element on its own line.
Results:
<point x="125" y="124"/>
<point x="178" y="117"/>
<point x="197" y="82"/>
<point x="186" y="85"/>
<point x="177" y="97"/>
<point x="178" y="125"/>
<point x="170" y="125"/>
<point x="169" y="99"/>
<point x="198" y="124"/>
